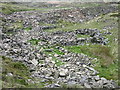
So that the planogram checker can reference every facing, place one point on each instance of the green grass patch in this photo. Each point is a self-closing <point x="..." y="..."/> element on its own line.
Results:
<point x="58" y="62"/>
<point x="28" y="28"/>
<point x="110" y="72"/>
<point x="34" y="41"/>
<point x="54" y="51"/>
<point x="105" y="64"/>
<point x="58" y="52"/>
<point x="15" y="25"/>
<point x="45" y="24"/>
<point x="96" y="51"/>
<point x="18" y="25"/>
<point x="64" y="26"/>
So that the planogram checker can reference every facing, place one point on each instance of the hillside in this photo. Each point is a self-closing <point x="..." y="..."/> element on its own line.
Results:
<point x="52" y="45"/>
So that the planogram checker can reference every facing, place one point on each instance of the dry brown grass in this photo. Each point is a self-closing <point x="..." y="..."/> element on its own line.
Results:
<point x="104" y="53"/>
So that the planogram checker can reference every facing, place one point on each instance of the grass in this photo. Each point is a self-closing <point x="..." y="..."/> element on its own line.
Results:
<point x="82" y="36"/>
<point x="28" y="28"/>
<point x="45" y="24"/>
<point x="17" y="25"/>
<point x="8" y="8"/>
<point x="58" y="52"/>
<point x="20" y="75"/>
<point x="34" y="41"/>
<point x="55" y="51"/>
<point x="115" y="14"/>
<point x="105" y="59"/>
<point x="95" y="50"/>
<point x="107" y="55"/>
<point x="98" y="22"/>
<point x="87" y="5"/>
<point x="58" y="62"/>
<point x="13" y="27"/>
<point x="17" y="69"/>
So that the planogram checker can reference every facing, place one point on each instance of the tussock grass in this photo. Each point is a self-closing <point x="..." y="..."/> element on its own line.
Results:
<point x="20" y="73"/>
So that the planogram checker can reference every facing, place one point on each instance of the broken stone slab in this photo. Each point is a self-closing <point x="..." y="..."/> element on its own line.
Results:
<point x="92" y="69"/>
<point x="34" y="61"/>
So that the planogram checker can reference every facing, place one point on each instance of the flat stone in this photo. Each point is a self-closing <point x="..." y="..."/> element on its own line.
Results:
<point x="63" y="72"/>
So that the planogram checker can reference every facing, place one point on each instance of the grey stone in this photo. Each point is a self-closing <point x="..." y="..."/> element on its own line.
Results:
<point x="87" y="85"/>
<point x="63" y="72"/>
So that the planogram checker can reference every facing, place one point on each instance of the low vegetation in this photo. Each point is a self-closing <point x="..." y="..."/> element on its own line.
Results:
<point x="107" y="56"/>
<point x="19" y="73"/>
<point x="8" y="8"/>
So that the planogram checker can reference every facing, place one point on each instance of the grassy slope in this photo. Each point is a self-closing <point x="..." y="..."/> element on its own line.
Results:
<point x="9" y="8"/>
<point x="107" y="55"/>
<point x="20" y="75"/>
<point x="17" y="69"/>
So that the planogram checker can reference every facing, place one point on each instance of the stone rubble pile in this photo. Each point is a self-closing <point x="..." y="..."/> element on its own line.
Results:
<point x="77" y="68"/>
<point x="80" y="15"/>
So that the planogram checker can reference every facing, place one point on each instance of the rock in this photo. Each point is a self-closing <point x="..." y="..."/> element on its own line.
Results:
<point x="90" y="68"/>
<point x="63" y="72"/>
<point x="10" y="74"/>
<point x="72" y="83"/>
<point x="97" y="77"/>
<point x="87" y="85"/>
<point x="56" y="55"/>
<point x="48" y="50"/>
<point x="79" y="73"/>
<point x="17" y="47"/>
<point x="57" y="85"/>
<point x="49" y="78"/>
<point x="34" y="61"/>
